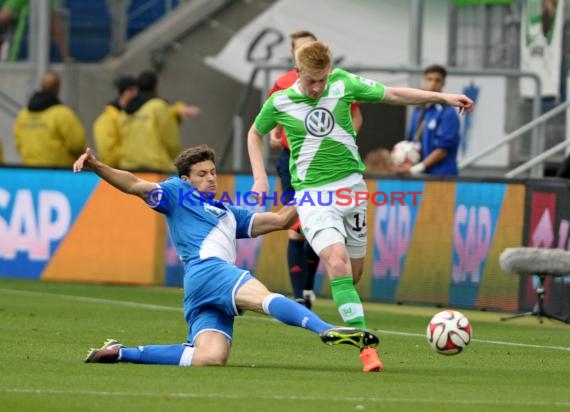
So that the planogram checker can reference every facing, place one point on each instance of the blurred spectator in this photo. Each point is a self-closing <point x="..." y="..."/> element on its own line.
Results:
<point x="436" y="128"/>
<point x="379" y="161"/>
<point x="548" y="17"/>
<point x="1" y="152"/>
<point x="15" y="13"/>
<point x="106" y="132"/>
<point x="149" y="128"/>
<point x="48" y="133"/>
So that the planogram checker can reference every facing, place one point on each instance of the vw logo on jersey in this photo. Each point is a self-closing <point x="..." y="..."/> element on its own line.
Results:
<point x="319" y="122"/>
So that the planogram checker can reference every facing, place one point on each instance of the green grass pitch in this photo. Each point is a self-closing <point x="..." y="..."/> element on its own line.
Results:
<point x="46" y="329"/>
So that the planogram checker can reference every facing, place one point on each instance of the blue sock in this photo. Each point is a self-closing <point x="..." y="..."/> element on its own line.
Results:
<point x="295" y="256"/>
<point x="291" y="313"/>
<point x="154" y="354"/>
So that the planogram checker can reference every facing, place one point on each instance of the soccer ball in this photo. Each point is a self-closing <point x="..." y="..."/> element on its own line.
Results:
<point x="449" y="332"/>
<point x="405" y="152"/>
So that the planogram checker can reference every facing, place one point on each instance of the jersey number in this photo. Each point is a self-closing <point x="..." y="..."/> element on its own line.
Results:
<point x="357" y="227"/>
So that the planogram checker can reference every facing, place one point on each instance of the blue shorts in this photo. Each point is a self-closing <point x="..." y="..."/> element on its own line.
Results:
<point x="209" y="297"/>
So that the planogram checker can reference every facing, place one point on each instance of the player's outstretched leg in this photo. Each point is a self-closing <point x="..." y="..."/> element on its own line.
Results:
<point x="112" y="352"/>
<point x="287" y="311"/>
<point x="108" y="353"/>
<point x="291" y="313"/>
<point x="350" y="336"/>
<point x="371" y="360"/>
<point x="350" y="308"/>
<point x="365" y="340"/>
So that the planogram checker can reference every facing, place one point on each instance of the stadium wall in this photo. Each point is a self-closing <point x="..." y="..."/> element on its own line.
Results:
<point x="440" y="247"/>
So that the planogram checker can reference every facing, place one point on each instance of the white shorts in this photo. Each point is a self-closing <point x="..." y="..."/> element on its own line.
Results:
<point x="320" y="209"/>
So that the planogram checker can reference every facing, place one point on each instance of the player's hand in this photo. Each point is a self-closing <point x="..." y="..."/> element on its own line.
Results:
<point x="84" y="161"/>
<point x="260" y="187"/>
<point x="464" y="103"/>
<point x="403" y="169"/>
<point x="187" y="111"/>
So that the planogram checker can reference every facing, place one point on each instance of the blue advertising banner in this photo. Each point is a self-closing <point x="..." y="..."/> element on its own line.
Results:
<point x="37" y="209"/>
<point x="392" y="232"/>
<point x="476" y="212"/>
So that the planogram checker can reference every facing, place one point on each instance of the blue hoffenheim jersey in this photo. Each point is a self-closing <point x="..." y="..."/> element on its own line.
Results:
<point x="441" y="131"/>
<point x="202" y="228"/>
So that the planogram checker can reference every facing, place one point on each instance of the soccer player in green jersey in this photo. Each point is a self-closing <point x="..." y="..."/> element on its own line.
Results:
<point x="315" y="113"/>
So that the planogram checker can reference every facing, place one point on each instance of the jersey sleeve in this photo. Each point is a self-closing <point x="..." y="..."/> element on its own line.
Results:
<point x="363" y="89"/>
<point x="265" y="120"/>
<point x="164" y="198"/>
<point x="244" y="221"/>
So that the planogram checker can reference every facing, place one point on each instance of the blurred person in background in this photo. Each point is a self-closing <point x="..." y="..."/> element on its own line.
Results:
<point x="14" y="13"/>
<point x="48" y="133"/>
<point x="301" y="258"/>
<point x="149" y="128"/>
<point x="379" y="161"/>
<point x="204" y="231"/>
<point x="1" y="151"/>
<point x="435" y="127"/>
<point x="106" y="128"/>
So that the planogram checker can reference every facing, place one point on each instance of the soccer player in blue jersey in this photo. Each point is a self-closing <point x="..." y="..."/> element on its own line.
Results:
<point x="215" y="290"/>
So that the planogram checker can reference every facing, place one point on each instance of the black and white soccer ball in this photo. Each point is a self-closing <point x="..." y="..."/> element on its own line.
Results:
<point x="449" y="332"/>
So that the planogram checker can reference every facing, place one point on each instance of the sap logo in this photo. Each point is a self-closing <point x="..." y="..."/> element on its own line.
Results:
<point x="392" y="234"/>
<point x="31" y="228"/>
<point x="471" y="241"/>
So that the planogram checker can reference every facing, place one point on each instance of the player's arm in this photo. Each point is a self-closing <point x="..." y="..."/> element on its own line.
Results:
<point x="434" y="158"/>
<point x="255" y="150"/>
<point x="182" y="111"/>
<point x="271" y="221"/>
<point x="409" y="96"/>
<point x="124" y="181"/>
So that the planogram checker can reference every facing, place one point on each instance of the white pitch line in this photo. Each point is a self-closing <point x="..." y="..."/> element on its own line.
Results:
<point x="92" y="300"/>
<point x="494" y="342"/>
<point x="173" y="309"/>
<point x="244" y="396"/>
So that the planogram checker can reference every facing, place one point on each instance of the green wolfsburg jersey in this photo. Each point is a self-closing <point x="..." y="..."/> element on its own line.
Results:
<point x="319" y="131"/>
